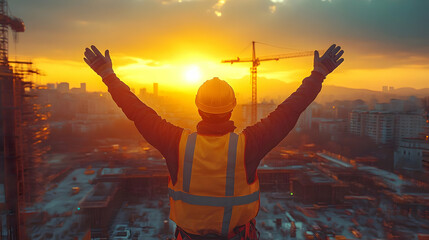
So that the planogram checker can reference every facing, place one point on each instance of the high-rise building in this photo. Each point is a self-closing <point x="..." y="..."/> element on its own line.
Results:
<point x="155" y="89"/>
<point x="386" y="127"/>
<point x="409" y="125"/>
<point x="50" y="86"/>
<point x="83" y="87"/>
<point x="63" y="87"/>
<point x="389" y="122"/>
<point x="356" y="124"/>
<point x="380" y="126"/>
<point x="142" y="92"/>
<point x="385" y="88"/>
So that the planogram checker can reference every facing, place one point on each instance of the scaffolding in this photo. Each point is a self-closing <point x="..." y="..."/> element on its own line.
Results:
<point x="14" y="88"/>
<point x="15" y="141"/>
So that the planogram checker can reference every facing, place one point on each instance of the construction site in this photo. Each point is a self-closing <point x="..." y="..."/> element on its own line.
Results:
<point x="308" y="196"/>
<point x="59" y="181"/>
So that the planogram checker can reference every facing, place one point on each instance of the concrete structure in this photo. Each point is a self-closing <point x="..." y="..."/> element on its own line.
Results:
<point x="83" y="87"/>
<point x="316" y="187"/>
<point x="99" y="206"/>
<point x="63" y="87"/>
<point x="413" y="154"/>
<point x="356" y="123"/>
<point x="408" y="125"/>
<point x="387" y="89"/>
<point x="386" y="127"/>
<point x="380" y="127"/>
<point x="155" y="89"/>
<point x="50" y="86"/>
<point x="142" y="93"/>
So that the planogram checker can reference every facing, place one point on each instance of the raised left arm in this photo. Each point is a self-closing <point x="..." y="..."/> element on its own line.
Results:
<point x="161" y="134"/>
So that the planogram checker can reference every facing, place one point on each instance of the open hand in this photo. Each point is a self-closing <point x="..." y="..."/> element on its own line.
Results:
<point x="329" y="61"/>
<point x="102" y="65"/>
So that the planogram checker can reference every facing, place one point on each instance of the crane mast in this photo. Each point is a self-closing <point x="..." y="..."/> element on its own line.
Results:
<point x="254" y="77"/>
<point x="254" y="73"/>
<point x="4" y="28"/>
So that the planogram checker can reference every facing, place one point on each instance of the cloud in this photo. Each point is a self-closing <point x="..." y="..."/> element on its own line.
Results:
<point x="218" y="7"/>
<point x="125" y="64"/>
<point x="169" y="29"/>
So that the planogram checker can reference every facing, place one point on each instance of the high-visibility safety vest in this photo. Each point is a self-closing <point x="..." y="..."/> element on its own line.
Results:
<point x="211" y="195"/>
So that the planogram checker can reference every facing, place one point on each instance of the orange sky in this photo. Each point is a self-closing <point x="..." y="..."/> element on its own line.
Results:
<point x="180" y="43"/>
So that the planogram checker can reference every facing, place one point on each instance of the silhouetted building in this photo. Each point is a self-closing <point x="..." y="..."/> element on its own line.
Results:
<point x="50" y="86"/>
<point x="142" y="93"/>
<point x="83" y="87"/>
<point x="155" y="89"/>
<point x="385" y="88"/>
<point x="63" y="87"/>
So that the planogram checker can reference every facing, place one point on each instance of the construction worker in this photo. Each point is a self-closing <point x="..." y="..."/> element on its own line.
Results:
<point x="213" y="184"/>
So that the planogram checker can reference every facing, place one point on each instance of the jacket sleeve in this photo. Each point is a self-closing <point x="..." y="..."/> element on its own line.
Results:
<point x="161" y="134"/>
<point x="270" y="131"/>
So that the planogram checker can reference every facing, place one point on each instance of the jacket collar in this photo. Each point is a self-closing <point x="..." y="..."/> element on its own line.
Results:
<point x="215" y="128"/>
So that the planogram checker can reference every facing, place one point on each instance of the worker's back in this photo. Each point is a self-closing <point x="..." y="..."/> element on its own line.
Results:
<point x="211" y="195"/>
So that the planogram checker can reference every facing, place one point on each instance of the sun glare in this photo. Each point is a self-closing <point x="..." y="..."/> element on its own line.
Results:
<point x="193" y="74"/>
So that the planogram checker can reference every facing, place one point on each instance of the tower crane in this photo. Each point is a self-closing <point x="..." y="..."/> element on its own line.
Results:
<point x="253" y="71"/>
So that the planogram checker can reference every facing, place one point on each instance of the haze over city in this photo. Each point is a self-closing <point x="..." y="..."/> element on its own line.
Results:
<point x="327" y="145"/>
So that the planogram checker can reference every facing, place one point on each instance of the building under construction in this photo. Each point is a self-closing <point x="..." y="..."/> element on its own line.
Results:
<point x="22" y="133"/>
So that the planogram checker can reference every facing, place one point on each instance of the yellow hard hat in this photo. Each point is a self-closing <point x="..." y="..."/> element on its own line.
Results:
<point x="215" y="96"/>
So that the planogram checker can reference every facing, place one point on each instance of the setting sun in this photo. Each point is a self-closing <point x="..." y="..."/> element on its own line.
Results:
<point x="193" y="74"/>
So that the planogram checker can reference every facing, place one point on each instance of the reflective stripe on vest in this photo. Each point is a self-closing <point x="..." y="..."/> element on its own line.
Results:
<point x="227" y="201"/>
<point x="189" y="158"/>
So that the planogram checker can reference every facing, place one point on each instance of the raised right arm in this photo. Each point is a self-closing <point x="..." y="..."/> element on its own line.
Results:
<point x="270" y="131"/>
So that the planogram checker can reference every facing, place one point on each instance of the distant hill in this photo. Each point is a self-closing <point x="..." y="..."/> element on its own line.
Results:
<point x="274" y="89"/>
<point x="411" y="92"/>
